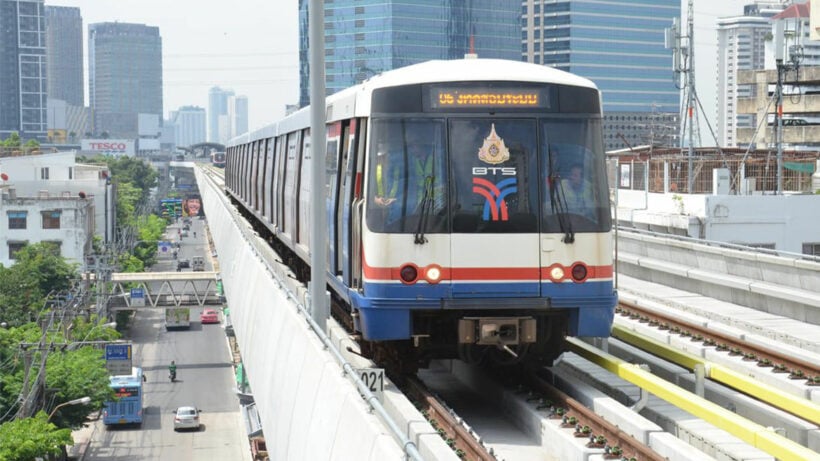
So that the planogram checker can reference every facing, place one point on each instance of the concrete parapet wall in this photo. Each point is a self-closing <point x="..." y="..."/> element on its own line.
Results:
<point x="309" y="410"/>
<point x="779" y="285"/>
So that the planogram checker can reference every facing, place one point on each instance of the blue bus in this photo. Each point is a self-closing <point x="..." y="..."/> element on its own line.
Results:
<point x="127" y="409"/>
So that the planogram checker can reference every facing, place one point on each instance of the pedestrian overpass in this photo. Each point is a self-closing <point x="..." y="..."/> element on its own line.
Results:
<point x="135" y="290"/>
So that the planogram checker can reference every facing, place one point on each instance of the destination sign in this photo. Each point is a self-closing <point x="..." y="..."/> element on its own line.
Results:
<point x="443" y="97"/>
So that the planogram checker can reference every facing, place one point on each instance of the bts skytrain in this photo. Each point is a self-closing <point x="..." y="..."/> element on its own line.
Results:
<point x="467" y="206"/>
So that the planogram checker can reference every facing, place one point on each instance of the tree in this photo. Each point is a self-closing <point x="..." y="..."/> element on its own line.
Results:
<point x="75" y="374"/>
<point x="27" y="438"/>
<point x="24" y="286"/>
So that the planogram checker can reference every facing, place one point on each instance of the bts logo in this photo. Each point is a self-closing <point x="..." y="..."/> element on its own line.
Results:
<point x="495" y="207"/>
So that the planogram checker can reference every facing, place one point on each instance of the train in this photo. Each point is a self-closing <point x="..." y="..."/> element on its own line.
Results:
<point x="218" y="159"/>
<point x="467" y="205"/>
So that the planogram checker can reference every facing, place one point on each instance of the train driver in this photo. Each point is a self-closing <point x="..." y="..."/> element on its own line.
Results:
<point x="578" y="192"/>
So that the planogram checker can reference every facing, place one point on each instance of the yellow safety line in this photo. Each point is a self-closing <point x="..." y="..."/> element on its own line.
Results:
<point x="752" y="433"/>
<point x="803" y="408"/>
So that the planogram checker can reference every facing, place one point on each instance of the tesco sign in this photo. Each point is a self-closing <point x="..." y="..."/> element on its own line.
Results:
<point x="108" y="146"/>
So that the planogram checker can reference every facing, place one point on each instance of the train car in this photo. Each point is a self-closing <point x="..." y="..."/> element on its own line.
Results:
<point x="467" y="203"/>
<point x="218" y="159"/>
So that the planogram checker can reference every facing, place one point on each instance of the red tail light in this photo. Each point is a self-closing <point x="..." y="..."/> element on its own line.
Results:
<point x="579" y="272"/>
<point x="409" y="273"/>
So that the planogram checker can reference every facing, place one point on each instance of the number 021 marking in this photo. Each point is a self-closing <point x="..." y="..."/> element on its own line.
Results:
<point x="373" y="378"/>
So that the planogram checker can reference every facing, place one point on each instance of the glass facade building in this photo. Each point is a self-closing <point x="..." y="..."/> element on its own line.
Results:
<point x="23" y="98"/>
<point x="64" y="37"/>
<point x="619" y="45"/>
<point x="366" y="37"/>
<point x="124" y="76"/>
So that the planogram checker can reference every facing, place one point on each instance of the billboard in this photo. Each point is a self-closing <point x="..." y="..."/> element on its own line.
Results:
<point x="814" y="20"/>
<point x="115" y="147"/>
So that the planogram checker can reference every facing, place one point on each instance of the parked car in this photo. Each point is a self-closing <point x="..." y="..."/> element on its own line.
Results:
<point x="183" y="264"/>
<point x="186" y="418"/>
<point x="209" y="316"/>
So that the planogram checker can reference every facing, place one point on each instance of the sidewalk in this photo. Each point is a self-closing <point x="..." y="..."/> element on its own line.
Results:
<point x="82" y="438"/>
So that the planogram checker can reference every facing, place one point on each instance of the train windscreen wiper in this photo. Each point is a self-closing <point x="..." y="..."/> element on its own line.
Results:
<point x="425" y="209"/>
<point x="558" y="202"/>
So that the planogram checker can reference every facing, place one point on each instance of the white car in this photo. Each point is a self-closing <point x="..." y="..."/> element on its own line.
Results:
<point x="186" y="418"/>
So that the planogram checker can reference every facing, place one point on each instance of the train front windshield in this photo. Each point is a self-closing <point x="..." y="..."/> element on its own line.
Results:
<point x="515" y="173"/>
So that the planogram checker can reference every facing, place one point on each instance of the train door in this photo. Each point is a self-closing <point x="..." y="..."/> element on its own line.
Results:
<point x="354" y="174"/>
<point x="304" y="198"/>
<point x="264" y="191"/>
<point x="279" y="181"/>
<point x="289" y="187"/>
<point x="254" y="178"/>
<point x="332" y="186"/>
<point x="342" y="212"/>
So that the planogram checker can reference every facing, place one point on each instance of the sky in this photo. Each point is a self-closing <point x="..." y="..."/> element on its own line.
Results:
<point x="250" y="46"/>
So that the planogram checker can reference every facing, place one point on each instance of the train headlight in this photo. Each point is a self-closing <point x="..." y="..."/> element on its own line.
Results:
<point x="409" y="273"/>
<point x="557" y="273"/>
<point x="579" y="272"/>
<point x="433" y="274"/>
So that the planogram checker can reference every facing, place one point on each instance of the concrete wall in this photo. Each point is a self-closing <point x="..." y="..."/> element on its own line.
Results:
<point x="309" y="410"/>
<point x="787" y="221"/>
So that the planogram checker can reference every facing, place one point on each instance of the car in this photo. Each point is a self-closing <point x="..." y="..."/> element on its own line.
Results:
<point x="183" y="264"/>
<point x="186" y="418"/>
<point x="209" y="316"/>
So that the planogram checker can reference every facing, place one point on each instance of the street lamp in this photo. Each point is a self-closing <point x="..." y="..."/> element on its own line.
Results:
<point x="80" y="401"/>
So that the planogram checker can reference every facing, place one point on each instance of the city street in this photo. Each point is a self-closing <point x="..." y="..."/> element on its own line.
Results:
<point x="204" y="380"/>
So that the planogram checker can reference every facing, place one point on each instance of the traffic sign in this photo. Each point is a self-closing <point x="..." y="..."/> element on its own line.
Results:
<point x="137" y="297"/>
<point x="117" y="352"/>
<point x="118" y="359"/>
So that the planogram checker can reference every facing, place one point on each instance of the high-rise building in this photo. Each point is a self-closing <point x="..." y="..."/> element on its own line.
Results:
<point x="366" y="38"/>
<point x="617" y="44"/>
<point x="64" y="46"/>
<point x="741" y="46"/>
<point x="238" y="114"/>
<point x="23" y="99"/>
<point x="189" y="125"/>
<point x="217" y="106"/>
<point x="124" y="76"/>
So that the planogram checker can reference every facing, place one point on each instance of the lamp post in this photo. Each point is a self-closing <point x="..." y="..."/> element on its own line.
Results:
<point x="80" y="401"/>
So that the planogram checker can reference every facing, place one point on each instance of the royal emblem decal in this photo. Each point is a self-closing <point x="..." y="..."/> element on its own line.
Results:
<point x="493" y="151"/>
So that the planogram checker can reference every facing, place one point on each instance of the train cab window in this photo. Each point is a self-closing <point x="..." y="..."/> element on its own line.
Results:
<point x="407" y="185"/>
<point x="575" y="193"/>
<point x="494" y="175"/>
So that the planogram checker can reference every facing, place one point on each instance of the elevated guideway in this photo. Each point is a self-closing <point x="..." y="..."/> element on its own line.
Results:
<point x="309" y="405"/>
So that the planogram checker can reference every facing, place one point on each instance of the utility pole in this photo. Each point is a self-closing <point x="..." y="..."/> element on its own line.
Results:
<point x="684" y="67"/>
<point x="783" y="67"/>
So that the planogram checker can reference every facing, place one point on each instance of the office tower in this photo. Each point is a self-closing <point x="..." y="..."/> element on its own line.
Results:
<point x="23" y="69"/>
<point x="366" y="38"/>
<point x="64" y="44"/>
<point x="217" y="106"/>
<point x="189" y="125"/>
<point x="124" y="76"/>
<point x="619" y="45"/>
<point x="238" y="114"/>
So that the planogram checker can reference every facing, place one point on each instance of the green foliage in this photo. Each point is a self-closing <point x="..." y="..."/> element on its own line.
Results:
<point x="13" y="141"/>
<point x="27" y="438"/>
<point x="37" y="271"/>
<point x="73" y="375"/>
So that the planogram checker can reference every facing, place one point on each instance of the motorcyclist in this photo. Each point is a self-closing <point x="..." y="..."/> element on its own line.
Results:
<point x="172" y="368"/>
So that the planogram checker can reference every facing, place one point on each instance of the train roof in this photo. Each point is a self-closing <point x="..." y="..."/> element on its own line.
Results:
<point x="355" y="101"/>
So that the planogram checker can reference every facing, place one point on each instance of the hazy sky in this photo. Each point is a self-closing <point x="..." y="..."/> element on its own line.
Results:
<point x="250" y="46"/>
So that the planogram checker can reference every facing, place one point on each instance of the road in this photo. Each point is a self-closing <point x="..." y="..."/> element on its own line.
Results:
<point x="204" y="380"/>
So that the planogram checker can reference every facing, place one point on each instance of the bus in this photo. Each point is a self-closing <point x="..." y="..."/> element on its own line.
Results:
<point x="177" y="318"/>
<point x="127" y="408"/>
